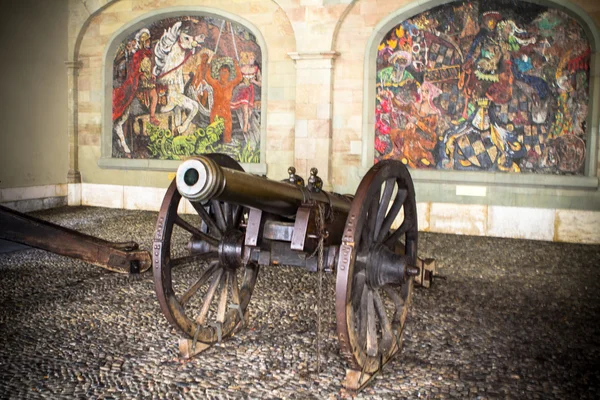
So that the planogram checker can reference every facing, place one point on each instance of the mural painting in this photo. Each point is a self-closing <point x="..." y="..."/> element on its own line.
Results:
<point x="185" y="86"/>
<point x="488" y="86"/>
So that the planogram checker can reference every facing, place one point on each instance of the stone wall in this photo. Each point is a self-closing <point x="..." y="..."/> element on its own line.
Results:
<point x="320" y="70"/>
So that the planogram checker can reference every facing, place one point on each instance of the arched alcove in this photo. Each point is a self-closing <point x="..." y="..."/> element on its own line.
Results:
<point x="180" y="82"/>
<point x="518" y="147"/>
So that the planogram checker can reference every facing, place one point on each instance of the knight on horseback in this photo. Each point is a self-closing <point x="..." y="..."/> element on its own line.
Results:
<point x="176" y="45"/>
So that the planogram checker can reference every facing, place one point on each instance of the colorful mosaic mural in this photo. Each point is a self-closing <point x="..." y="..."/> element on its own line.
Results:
<point x="187" y="85"/>
<point x="493" y="86"/>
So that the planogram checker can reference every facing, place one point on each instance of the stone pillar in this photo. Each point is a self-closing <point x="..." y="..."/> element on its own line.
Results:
<point x="73" y="72"/>
<point x="313" y="128"/>
<point x="73" y="176"/>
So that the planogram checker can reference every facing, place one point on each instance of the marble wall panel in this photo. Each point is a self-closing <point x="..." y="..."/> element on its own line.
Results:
<point x="458" y="219"/>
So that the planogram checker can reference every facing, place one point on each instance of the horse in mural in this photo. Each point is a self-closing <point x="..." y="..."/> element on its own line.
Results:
<point x="172" y="51"/>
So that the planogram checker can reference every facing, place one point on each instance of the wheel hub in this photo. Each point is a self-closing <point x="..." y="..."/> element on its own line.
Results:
<point x="231" y="249"/>
<point x="384" y="267"/>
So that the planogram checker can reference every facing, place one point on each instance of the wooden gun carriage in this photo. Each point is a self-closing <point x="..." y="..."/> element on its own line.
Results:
<point x="206" y="265"/>
<point x="369" y="239"/>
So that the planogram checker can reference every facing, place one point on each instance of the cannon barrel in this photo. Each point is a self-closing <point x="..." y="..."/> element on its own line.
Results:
<point x="200" y="179"/>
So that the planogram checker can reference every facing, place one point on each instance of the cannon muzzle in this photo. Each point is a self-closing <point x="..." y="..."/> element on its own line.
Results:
<point x="200" y="179"/>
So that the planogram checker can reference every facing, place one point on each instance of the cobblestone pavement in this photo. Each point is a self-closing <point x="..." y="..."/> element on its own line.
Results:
<point x="509" y="319"/>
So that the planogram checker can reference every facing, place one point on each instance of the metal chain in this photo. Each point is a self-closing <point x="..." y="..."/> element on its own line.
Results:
<point x="320" y="268"/>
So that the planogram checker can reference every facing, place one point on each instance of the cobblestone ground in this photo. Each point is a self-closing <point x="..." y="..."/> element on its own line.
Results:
<point x="508" y="319"/>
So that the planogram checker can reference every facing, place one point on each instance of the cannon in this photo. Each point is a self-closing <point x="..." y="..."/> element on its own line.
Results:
<point x="206" y="265"/>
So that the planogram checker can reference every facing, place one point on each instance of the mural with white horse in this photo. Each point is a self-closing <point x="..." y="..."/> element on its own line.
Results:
<point x="187" y="85"/>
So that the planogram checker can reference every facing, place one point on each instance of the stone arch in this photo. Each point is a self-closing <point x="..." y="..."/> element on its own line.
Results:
<point x="411" y="10"/>
<point x="93" y="7"/>
<point x="340" y="22"/>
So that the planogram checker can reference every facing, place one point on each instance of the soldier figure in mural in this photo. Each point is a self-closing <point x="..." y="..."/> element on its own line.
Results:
<point x="513" y="92"/>
<point x="238" y="91"/>
<point x="414" y="144"/>
<point x="147" y="93"/>
<point x="138" y="82"/>
<point x="122" y="61"/>
<point x="486" y="78"/>
<point x="245" y="91"/>
<point x="198" y="89"/>
<point x="223" y="91"/>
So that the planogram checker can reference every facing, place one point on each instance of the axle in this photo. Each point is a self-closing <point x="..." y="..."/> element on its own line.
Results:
<point x="200" y="179"/>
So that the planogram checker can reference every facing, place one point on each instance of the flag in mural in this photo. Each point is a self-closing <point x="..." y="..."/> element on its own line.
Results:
<point x="490" y="86"/>
<point x="187" y="85"/>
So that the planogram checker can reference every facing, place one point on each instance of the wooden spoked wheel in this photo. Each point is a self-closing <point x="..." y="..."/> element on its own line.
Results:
<point x="376" y="267"/>
<point x="203" y="285"/>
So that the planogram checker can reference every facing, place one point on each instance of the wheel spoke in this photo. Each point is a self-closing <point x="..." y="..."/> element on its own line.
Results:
<point x="193" y="258"/>
<point x="363" y="316"/>
<point x="390" y="184"/>
<point x="223" y="298"/>
<point x="391" y="216"/>
<point x="369" y="229"/>
<point x="387" y="336"/>
<point x="220" y="218"/>
<point x="228" y="217"/>
<point x="404" y="227"/>
<point x="357" y="291"/>
<point x="209" y="296"/>
<point x="371" y="326"/>
<point x="405" y="290"/>
<point x="235" y="290"/>
<point x="198" y="284"/>
<point x="208" y="220"/>
<point x="196" y="232"/>
<point x="398" y="302"/>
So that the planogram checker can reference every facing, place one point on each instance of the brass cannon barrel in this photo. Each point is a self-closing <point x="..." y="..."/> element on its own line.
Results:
<point x="201" y="178"/>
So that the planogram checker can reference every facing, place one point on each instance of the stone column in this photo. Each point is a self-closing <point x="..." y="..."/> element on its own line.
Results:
<point x="73" y="72"/>
<point x="73" y="176"/>
<point x="313" y="128"/>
